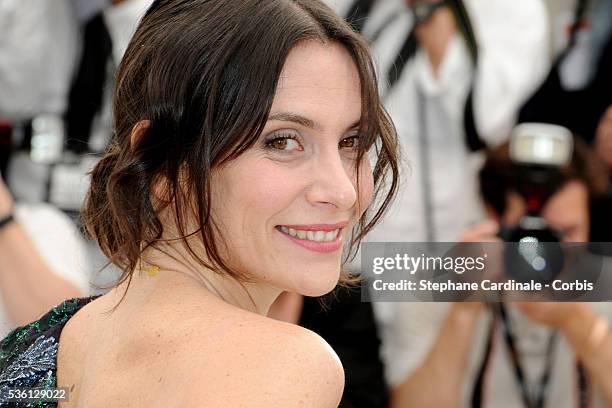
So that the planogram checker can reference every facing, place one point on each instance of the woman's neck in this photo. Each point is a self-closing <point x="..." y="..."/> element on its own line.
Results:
<point x="171" y="266"/>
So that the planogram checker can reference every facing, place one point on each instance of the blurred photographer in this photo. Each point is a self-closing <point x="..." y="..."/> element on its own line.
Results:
<point x="37" y="56"/>
<point x="577" y="92"/>
<point x="530" y="354"/>
<point x="453" y="74"/>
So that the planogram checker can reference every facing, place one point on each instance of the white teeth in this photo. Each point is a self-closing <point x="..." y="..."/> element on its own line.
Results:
<point x="317" y="236"/>
<point x="330" y="236"/>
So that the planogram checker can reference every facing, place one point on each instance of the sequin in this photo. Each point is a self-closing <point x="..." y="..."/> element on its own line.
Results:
<point x="28" y="355"/>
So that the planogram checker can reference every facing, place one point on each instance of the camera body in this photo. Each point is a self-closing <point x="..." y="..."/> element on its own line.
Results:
<point x="538" y="152"/>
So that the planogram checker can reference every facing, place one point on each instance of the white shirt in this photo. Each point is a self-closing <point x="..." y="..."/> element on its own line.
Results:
<point x="513" y="60"/>
<point x="121" y="21"/>
<point x="38" y="51"/>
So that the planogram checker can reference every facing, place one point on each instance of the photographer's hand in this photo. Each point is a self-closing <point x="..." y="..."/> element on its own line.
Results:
<point x="485" y="231"/>
<point x="603" y="138"/>
<point x="439" y="380"/>
<point x="552" y="314"/>
<point x="6" y="200"/>
<point x="585" y="331"/>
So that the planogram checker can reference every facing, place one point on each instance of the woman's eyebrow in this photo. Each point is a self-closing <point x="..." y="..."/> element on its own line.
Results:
<point x="295" y="118"/>
<point x="302" y="120"/>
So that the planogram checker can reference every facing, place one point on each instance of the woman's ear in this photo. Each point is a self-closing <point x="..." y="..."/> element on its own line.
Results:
<point x="138" y="132"/>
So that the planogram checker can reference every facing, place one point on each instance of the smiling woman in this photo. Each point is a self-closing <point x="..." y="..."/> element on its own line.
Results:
<point x="295" y="195"/>
<point x="240" y="168"/>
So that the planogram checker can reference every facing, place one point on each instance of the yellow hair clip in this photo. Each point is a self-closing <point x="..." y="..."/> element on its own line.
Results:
<point x="153" y="270"/>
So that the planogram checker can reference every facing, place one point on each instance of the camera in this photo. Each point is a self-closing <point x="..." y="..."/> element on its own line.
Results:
<point x="538" y="152"/>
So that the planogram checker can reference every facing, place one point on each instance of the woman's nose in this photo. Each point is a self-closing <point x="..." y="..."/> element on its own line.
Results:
<point x="333" y="183"/>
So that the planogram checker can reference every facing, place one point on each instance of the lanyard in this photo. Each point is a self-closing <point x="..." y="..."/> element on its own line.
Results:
<point x="536" y="400"/>
<point x="530" y="400"/>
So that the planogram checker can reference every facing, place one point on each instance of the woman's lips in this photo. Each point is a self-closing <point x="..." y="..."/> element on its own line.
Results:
<point x="315" y="237"/>
<point x="317" y="227"/>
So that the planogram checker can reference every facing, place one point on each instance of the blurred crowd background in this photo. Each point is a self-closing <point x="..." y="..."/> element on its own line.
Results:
<point x="456" y="77"/>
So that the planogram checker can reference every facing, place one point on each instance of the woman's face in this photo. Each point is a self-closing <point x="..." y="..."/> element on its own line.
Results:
<point x="287" y="205"/>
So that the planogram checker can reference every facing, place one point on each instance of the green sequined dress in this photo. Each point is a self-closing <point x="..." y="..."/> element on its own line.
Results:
<point x="28" y="355"/>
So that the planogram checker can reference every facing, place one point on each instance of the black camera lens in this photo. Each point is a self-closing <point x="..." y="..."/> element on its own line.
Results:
<point x="533" y="252"/>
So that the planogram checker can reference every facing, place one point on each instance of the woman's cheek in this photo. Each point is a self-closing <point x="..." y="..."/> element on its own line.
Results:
<point x="277" y="183"/>
<point x="366" y="185"/>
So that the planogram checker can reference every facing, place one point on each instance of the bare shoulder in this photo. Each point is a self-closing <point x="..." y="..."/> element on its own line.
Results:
<point x="220" y="358"/>
<point x="269" y="363"/>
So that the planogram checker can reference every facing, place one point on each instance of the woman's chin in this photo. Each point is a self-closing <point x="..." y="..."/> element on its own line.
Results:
<point x="323" y="284"/>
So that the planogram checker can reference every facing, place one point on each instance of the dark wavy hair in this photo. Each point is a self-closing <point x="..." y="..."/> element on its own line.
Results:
<point x="203" y="73"/>
<point x="499" y="174"/>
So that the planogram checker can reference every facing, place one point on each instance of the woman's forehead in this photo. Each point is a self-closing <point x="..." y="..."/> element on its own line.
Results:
<point x="319" y="81"/>
<point x="327" y="65"/>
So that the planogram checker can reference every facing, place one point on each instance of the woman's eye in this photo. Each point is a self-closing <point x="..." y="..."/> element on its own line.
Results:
<point x="349" y="142"/>
<point x="284" y="143"/>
